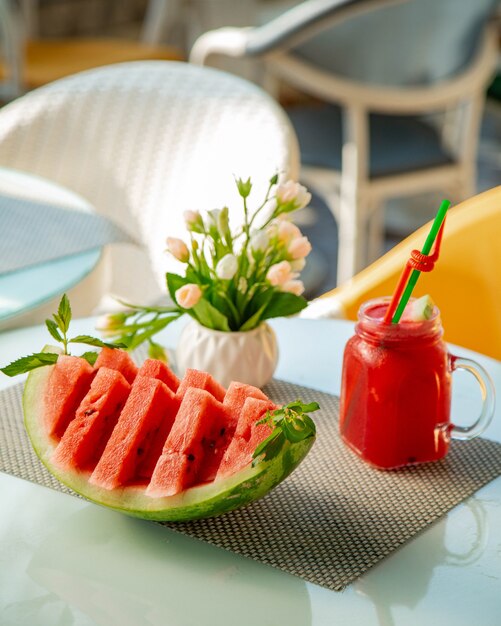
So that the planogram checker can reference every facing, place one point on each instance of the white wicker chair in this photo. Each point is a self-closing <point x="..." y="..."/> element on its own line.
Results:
<point x="144" y="141"/>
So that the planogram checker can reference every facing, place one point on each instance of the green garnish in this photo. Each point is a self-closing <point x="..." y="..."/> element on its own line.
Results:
<point x="290" y="423"/>
<point x="58" y="328"/>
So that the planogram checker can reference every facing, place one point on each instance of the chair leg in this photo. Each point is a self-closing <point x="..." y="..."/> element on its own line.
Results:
<point x="376" y="232"/>
<point x="352" y="240"/>
<point x="352" y="222"/>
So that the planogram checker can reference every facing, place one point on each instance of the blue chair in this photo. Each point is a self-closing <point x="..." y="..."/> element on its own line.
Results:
<point x="404" y="84"/>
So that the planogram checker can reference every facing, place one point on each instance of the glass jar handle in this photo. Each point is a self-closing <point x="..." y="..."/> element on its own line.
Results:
<point x="488" y="398"/>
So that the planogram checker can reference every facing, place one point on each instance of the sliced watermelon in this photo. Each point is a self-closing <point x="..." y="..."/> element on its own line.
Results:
<point x="122" y="478"/>
<point x="248" y="435"/>
<point x="84" y="440"/>
<point x="201" y="380"/>
<point x="149" y="403"/>
<point x="153" y="368"/>
<point x="192" y="438"/>
<point x="70" y="380"/>
<point x="118" y="360"/>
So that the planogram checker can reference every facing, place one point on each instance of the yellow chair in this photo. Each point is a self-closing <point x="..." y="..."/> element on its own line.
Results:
<point x="465" y="284"/>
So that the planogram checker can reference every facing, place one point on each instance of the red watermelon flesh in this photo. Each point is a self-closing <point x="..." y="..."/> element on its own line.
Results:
<point x="248" y="435"/>
<point x="236" y="395"/>
<point x="201" y="380"/>
<point x="69" y="382"/>
<point x="118" y="360"/>
<point x="86" y="436"/>
<point x="186" y="448"/>
<point x="150" y="402"/>
<point x="158" y="369"/>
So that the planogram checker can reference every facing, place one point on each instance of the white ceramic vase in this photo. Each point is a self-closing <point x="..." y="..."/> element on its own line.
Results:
<point x="249" y="357"/>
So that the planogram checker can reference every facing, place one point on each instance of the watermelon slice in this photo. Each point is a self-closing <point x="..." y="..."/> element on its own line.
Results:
<point x="201" y="380"/>
<point x="148" y="452"/>
<point x="149" y="403"/>
<point x="118" y="360"/>
<point x="84" y="440"/>
<point x="70" y="380"/>
<point x="193" y="438"/>
<point x="248" y="436"/>
<point x="153" y="368"/>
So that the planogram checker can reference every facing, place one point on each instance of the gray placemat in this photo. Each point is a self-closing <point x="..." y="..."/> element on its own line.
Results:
<point x="33" y="232"/>
<point x="333" y="518"/>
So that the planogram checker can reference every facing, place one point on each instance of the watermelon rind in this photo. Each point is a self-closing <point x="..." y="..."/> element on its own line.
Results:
<point x="207" y="500"/>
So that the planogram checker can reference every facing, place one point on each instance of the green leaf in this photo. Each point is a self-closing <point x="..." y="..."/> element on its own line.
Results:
<point x="174" y="282"/>
<point x="270" y="447"/>
<point x="253" y="320"/>
<point x="64" y="314"/>
<point x="90" y="357"/>
<point x="28" y="363"/>
<point x="283" y="304"/>
<point x="52" y="328"/>
<point x="210" y="317"/>
<point x="93" y="341"/>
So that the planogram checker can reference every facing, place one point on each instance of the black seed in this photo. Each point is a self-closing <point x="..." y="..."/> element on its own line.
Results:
<point x="89" y="412"/>
<point x="222" y="431"/>
<point x="191" y="457"/>
<point x="140" y="451"/>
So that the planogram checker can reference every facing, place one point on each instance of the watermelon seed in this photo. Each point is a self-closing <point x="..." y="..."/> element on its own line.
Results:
<point x="89" y="412"/>
<point x="222" y="431"/>
<point x="191" y="457"/>
<point x="140" y="451"/>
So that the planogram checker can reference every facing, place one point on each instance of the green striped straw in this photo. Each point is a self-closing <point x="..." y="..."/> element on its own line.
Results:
<point x="432" y="235"/>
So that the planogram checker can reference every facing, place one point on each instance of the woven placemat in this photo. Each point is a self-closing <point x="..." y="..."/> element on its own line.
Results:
<point x="333" y="518"/>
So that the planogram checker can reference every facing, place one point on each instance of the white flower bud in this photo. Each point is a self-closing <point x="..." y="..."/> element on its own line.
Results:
<point x="259" y="241"/>
<point x="227" y="267"/>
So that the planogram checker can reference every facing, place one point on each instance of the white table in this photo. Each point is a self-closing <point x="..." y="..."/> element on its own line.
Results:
<point x="25" y="294"/>
<point x="65" y="561"/>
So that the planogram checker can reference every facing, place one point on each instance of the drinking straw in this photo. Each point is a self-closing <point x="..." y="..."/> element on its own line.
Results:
<point x="419" y="261"/>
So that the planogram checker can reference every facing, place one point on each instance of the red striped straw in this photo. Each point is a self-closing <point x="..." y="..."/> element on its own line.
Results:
<point x="417" y="263"/>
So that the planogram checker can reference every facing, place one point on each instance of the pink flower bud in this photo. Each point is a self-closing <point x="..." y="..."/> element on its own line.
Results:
<point x="279" y="273"/>
<point x="293" y="286"/>
<point x="293" y="193"/>
<point x="188" y="295"/>
<point x="287" y="231"/>
<point x="299" y="248"/>
<point x="178" y="249"/>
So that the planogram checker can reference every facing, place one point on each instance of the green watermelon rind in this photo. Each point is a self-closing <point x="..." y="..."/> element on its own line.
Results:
<point x="208" y="500"/>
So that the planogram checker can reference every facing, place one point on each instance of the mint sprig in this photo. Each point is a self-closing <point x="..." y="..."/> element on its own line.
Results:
<point x="290" y="423"/>
<point x="58" y="328"/>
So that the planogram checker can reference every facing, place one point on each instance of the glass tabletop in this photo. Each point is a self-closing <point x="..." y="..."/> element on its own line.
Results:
<point x="24" y="290"/>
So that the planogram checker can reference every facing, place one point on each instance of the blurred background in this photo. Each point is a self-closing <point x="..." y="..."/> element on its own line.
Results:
<point x="169" y="28"/>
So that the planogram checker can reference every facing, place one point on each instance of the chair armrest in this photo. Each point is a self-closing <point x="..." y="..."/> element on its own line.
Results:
<point x="280" y="33"/>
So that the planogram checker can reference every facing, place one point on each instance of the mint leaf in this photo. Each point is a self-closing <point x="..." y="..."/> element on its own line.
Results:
<point x="90" y="357"/>
<point x="28" y="363"/>
<point x="93" y="341"/>
<point x="52" y="328"/>
<point x="291" y="423"/>
<point x="63" y="317"/>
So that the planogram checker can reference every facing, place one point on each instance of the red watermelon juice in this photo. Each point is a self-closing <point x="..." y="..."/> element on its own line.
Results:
<point x="396" y="389"/>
